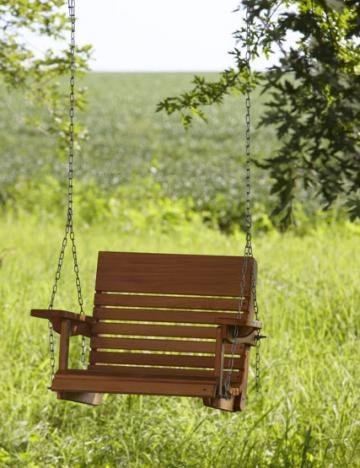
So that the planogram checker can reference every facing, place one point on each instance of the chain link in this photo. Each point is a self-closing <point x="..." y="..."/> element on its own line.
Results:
<point x="69" y="228"/>
<point x="248" y="253"/>
<point x="248" y="217"/>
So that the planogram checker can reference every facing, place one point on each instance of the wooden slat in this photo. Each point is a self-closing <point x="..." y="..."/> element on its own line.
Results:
<point x="168" y="302"/>
<point x="173" y="274"/>
<point x="154" y="330"/>
<point x="169" y="315"/>
<point x="151" y="371"/>
<point x="86" y="381"/>
<point x="219" y="356"/>
<point x="65" y="330"/>
<point x="156" y="359"/>
<point x="158" y="345"/>
<point x="158" y="371"/>
<point x="153" y="345"/>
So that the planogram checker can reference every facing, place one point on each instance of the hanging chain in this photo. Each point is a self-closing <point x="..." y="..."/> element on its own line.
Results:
<point x="248" y="229"/>
<point x="69" y="228"/>
<point x="248" y="218"/>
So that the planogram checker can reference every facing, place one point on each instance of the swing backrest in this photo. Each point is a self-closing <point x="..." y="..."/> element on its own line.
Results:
<point x="156" y="313"/>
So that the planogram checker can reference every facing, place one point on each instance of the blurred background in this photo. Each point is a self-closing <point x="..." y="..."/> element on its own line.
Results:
<point x="143" y="182"/>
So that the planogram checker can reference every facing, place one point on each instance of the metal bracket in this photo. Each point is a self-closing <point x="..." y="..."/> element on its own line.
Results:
<point x="248" y="339"/>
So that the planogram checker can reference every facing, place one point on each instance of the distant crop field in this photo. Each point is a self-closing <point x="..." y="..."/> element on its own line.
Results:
<point x="128" y="138"/>
<point x="126" y="134"/>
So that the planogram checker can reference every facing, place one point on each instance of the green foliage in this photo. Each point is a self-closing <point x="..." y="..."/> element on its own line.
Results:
<point x="306" y="414"/>
<point x="136" y="207"/>
<point x="313" y="97"/>
<point x="142" y="205"/>
<point x="38" y="75"/>
<point x="206" y="93"/>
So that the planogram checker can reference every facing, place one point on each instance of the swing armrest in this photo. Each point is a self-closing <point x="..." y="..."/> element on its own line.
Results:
<point x="247" y="330"/>
<point x="247" y="334"/>
<point x="80" y="324"/>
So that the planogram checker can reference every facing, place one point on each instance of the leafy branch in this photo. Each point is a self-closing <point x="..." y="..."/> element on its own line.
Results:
<point x="39" y="76"/>
<point x="312" y="96"/>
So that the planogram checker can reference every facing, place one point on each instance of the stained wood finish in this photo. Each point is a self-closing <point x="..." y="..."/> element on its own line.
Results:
<point x="167" y="360"/>
<point x="170" y="302"/>
<point x="178" y="331"/>
<point x="154" y="315"/>
<point x="65" y="331"/>
<point x="80" y="324"/>
<point x="61" y="314"/>
<point x="87" y="381"/>
<point x="162" y="324"/>
<point x="203" y="275"/>
<point x="190" y="346"/>
<point x="88" y="398"/>
<point x="224" y="404"/>
<point x="159" y="371"/>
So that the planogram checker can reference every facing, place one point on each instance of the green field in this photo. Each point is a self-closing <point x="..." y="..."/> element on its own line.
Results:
<point x="141" y="178"/>
<point x="128" y="139"/>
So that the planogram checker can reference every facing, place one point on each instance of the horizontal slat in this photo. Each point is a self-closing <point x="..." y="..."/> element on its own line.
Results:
<point x="153" y="345"/>
<point x="169" y="302"/>
<point x="159" y="371"/>
<point x="158" y="345"/>
<point x="207" y="275"/>
<point x="154" y="330"/>
<point x="85" y="381"/>
<point x="156" y="359"/>
<point x="148" y="315"/>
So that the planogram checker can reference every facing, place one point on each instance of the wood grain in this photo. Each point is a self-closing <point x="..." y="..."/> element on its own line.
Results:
<point x="65" y="330"/>
<point x="99" y="342"/>
<point x="169" y="302"/>
<point x="153" y="330"/>
<point x="87" y="381"/>
<point x="146" y="372"/>
<point x="157" y="353"/>
<point x="179" y="316"/>
<point x="174" y="274"/>
<point x="167" y="360"/>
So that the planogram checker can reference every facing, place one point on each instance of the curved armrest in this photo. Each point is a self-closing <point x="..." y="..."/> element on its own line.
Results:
<point x="245" y="327"/>
<point x="80" y="324"/>
<point x="240" y="322"/>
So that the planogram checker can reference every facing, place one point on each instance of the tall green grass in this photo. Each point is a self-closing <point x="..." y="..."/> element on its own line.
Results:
<point x="307" y="414"/>
<point x="132" y="168"/>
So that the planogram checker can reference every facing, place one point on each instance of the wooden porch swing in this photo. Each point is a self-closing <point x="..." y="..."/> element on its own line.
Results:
<point x="162" y="324"/>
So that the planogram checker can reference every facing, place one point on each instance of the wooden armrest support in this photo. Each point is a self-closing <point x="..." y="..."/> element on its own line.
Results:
<point x="80" y="324"/>
<point x="247" y="335"/>
<point x="240" y="322"/>
<point x="245" y="329"/>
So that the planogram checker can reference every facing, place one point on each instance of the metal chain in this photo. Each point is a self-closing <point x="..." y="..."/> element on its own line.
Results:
<point x="225" y="392"/>
<point x="69" y="228"/>
<point x="248" y="217"/>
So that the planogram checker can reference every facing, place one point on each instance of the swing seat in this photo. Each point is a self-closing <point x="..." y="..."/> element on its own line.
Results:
<point x="162" y="324"/>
